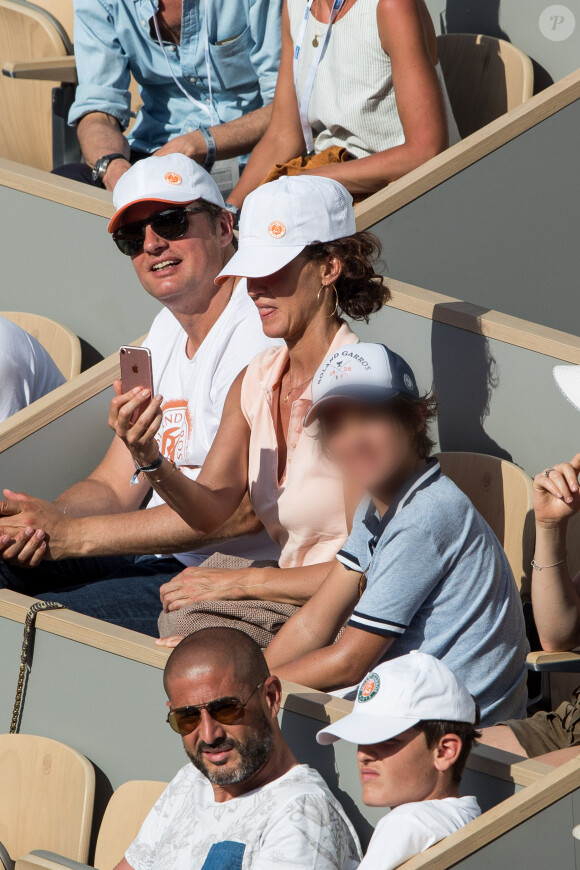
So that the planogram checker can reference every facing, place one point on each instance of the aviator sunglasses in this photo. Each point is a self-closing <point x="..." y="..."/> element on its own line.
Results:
<point x="226" y="711"/>
<point x="170" y="224"/>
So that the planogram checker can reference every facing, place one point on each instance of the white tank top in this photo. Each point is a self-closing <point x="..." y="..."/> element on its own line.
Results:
<point x="353" y="100"/>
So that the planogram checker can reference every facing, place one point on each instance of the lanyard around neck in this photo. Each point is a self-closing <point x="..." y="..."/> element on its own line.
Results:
<point x="309" y="85"/>
<point x="199" y="105"/>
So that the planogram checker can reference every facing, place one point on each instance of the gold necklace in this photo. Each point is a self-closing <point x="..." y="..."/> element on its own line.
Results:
<point x="317" y="36"/>
<point x="297" y="387"/>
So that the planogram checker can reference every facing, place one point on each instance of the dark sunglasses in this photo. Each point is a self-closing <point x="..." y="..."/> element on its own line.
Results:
<point x="170" y="224"/>
<point x="226" y="711"/>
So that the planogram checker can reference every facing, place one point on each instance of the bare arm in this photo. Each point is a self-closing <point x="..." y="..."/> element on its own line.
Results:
<point x="206" y="503"/>
<point x="406" y="37"/>
<point x="283" y="138"/>
<point x="232" y="138"/>
<point x="100" y="134"/>
<point x="555" y="596"/>
<point x="304" y="650"/>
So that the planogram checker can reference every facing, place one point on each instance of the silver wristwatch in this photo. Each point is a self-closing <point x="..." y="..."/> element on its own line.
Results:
<point x="102" y="164"/>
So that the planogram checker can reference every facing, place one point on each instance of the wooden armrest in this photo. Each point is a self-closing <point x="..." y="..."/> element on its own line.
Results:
<point x="53" y="69"/>
<point x="47" y="861"/>
<point x="560" y="662"/>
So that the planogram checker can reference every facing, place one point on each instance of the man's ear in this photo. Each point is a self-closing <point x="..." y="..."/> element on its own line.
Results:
<point x="273" y="694"/>
<point x="168" y="704"/>
<point x="225" y="228"/>
<point x="447" y="751"/>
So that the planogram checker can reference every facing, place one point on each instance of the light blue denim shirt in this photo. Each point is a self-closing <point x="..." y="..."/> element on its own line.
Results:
<point x="112" y="39"/>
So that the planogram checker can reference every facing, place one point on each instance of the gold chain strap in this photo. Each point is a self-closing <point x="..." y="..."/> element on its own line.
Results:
<point x="26" y="658"/>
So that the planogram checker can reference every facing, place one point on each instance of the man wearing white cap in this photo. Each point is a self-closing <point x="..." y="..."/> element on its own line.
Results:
<point x="421" y="568"/>
<point x="554" y="735"/>
<point x="305" y="267"/>
<point x="415" y="724"/>
<point x="171" y="221"/>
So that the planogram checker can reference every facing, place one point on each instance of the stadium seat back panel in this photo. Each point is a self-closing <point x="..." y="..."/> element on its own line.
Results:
<point x="485" y="78"/>
<point x="58" y="341"/>
<point x="46" y="799"/>
<point x="125" y="813"/>
<point x="27" y="33"/>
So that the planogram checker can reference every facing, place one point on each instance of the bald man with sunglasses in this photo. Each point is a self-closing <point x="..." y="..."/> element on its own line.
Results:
<point x="92" y="549"/>
<point x="244" y="802"/>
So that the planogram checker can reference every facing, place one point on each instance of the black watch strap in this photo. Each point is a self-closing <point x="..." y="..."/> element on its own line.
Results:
<point x="102" y="164"/>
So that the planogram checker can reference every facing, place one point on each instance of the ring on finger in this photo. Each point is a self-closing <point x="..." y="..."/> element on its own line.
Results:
<point x="548" y="471"/>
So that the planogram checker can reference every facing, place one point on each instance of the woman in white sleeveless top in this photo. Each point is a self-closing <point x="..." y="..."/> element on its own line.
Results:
<point x="367" y="85"/>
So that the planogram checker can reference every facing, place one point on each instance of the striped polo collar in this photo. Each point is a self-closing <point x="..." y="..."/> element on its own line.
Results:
<point x="421" y="480"/>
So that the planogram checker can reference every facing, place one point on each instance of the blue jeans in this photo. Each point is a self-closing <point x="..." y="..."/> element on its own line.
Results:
<point x="121" y="590"/>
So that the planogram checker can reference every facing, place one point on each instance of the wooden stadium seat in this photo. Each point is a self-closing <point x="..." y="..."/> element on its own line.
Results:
<point x="46" y="799"/>
<point x="502" y="493"/>
<point x="28" y="33"/>
<point x="63" y="11"/>
<point x="485" y="78"/>
<point x="125" y="813"/>
<point x="58" y="341"/>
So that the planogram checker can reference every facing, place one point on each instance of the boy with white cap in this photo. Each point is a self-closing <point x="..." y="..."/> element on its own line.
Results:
<point x="170" y="220"/>
<point x="421" y="568"/>
<point x="415" y="724"/>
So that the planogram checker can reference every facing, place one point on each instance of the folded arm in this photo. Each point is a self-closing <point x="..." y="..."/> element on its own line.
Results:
<point x="304" y="650"/>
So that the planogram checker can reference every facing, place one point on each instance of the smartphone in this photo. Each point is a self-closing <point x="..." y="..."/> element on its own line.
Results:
<point x="136" y="371"/>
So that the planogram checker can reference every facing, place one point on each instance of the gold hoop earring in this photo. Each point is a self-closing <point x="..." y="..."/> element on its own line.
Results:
<point x="325" y="287"/>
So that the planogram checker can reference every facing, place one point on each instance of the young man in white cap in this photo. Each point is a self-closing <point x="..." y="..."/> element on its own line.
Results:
<point x="171" y="221"/>
<point x="415" y="724"/>
<point x="554" y="735"/>
<point x="421" y="568"/>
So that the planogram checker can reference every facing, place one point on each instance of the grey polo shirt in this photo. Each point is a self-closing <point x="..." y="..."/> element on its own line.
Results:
<point x="439" y="581"/>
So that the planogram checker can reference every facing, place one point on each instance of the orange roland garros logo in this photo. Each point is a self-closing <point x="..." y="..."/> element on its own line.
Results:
<point x="175" y="432"/>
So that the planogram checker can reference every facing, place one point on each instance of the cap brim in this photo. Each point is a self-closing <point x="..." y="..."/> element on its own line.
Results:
<point x="568" y="381"/>
<point x="364" y="729"/>
<point x="369" y="395"/>
<point x="258" y="261"/>
<point x="115" y="222"/>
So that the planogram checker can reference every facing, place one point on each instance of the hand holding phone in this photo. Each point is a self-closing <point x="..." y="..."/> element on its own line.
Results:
<point x="136" y="371"/>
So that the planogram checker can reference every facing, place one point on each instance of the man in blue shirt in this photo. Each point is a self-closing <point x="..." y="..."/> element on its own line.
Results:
<point x="206" y="71"/>
<point x="421" y="568"/>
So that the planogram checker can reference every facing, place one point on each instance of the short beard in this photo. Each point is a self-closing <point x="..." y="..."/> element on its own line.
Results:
<point x="254" y="754"/>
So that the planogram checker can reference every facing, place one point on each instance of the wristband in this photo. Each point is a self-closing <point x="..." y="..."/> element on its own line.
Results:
<point x="211" y="148"/>
<point x="145" y="469"/>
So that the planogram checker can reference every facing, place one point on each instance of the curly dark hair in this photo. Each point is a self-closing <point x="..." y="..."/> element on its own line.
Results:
<point x="361" y="290"/>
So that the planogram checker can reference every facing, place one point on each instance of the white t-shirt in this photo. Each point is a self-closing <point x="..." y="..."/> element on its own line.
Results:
<point x="412" y="828"/>
<point x="27" y="372"/>
<point x="292" y="822"/>
<point x="194" y="391"/>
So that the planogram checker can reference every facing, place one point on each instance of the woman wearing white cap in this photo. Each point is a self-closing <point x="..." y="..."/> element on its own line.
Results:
<point x="421" y="568"/>
<point x="556" y="602"/>
<point x="305" y="265"/>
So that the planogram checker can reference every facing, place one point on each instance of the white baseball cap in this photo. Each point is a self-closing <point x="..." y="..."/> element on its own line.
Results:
<point x="397" y="695"/>
<point x="364" y="372"/>
<point x="174" y="179"/>
<point x="568" y="380"/>
<point x="281" y="218"/>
